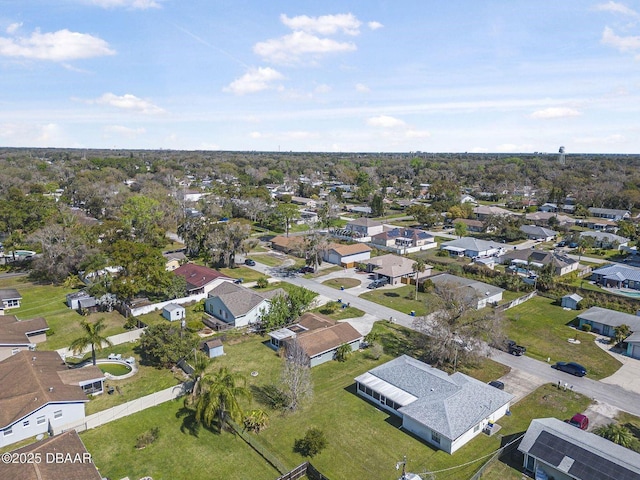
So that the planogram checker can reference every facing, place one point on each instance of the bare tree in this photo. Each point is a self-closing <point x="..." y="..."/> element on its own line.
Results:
<point x="296" y="376"/>
<point x="456" y="331"/>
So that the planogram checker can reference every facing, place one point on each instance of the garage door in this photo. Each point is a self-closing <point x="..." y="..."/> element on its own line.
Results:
<point x="635" y="351"/>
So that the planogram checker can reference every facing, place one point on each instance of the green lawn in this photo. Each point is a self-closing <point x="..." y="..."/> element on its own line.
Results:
<point x="340" y="313"/>
<point x="338" y="283"/>
<point x="48" y="301"/>
<point x="246" y="273"/>
<point x="176" y="454"/>
<point x="542" y="327"/>
<point x="400" y="299"/>
<point x="270" y="260"/>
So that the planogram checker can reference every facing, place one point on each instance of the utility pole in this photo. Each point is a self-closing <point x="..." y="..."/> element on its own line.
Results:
<point x="404" y="467"/>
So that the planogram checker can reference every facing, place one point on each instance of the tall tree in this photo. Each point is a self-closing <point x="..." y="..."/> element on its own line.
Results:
<point x="226" y="240"/>
<point x="296" y="376"/>
<point x="418" y="267"/>
<point x="93" y="336"/>
<point x="218" y="400"/>
<point x="377" y="205"/>
<point x="314" y="248"/>
<point x="287" y="212"/>
<point x="164" y="344"/>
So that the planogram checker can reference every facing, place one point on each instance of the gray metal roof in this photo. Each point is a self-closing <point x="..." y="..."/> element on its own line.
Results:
<point x="600" y="236"/>
<point x="612" y="318"/>
<point x="450" y="405"/>
<point x="580" y="454"/>
<point x="538" y="231"/>
<point x="470" y="243"/>
<point x="627" y="273"/>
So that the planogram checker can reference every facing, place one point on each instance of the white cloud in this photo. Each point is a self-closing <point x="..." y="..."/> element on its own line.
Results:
<point x="56" y="46"/>
<point x="616" y="7"/>
<point x="255" y="80"/>
<point x="555" y="112"/>
<point x="362" y="88"/>
<point x="133" y="4"/>
<point x="323" y="88"/>
<point x="13" y="28"/>
<point x="610" y="139"/>
<point x="128" y="102"/>
<point x="374" y="25"/>
<point x="298" y="46"/>
<point x="513" y="148"/>
<point x="385" y="121"/>
<point x="412" y="133"/>
<point x="124" y="131"/>
<point x="624" y="44"/>
<point x="37" y="135"/>
<point x="324" y="25"/>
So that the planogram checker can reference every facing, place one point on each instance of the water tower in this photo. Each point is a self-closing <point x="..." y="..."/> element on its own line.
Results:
<point x="561" y="157"/>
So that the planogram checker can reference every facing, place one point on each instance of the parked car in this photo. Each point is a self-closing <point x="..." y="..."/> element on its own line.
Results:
<point x="579" y="420"/>
<point x="497" y="384"/>
<point x="238" y="281"/>
<point x="514" y="349"/>
<point x="573" y="245"/>
<point x="250" y="261"/>
<point x="378" y="282"/>
<point x="307" y="269"/>
<point x="571" y="367"/>
<point x="562" y="243"/>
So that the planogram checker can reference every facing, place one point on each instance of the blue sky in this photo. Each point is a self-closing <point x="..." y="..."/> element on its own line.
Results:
<point x="367" y="75"/>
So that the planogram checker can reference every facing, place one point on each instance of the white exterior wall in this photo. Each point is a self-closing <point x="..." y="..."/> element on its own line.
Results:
<point x="173" y="315"/>
<point x="71" y="413"/>
<point x="483" y="302"/>
<point x="477" y="429"/>
<point x="356" y="258"/>
<point x="253" y="316"/>
<point x="425" y="433"/>
<point x="158" y="306"/>
<point x="214" y="306"/>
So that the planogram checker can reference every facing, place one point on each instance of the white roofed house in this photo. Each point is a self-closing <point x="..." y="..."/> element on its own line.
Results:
<point x="446" y="411"/>
<point x="534" y="232"/>
<point x="471" y="247"/>
<point x="347" y="255"/>
<point x="617" y="276"/>
<point x="605" y="240"/>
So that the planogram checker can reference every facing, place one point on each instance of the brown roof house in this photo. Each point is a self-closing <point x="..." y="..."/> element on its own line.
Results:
<point x="347" y="255"/>
<point x="287" y="244"/>
<point x="200" y="279"/>
<point x="395" y="269"/>
<point x="39" y="394"/>
<point x="61" y="457"/>
<point x="16" y="335"/>
<point x="318" y="336"/>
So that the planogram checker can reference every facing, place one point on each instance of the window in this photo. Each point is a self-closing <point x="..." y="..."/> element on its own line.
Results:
<point x="8" y="431"/>
<point x="25" y="424"/>
<point x="14" y="351"/>
<point x="435" y="437"/>
<point x="476" y="428"/>
<point x="361" y="387"/>
<point x="13" y="303"/>
<point x="57" y="414"/>
<point x="40" y="420"/>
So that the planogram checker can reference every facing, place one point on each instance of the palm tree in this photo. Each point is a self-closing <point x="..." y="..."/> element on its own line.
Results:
<point x="418" y="267"/>
<point x="218" y="398"/>
<point x="92" y="336"/>
<point x="342" y="352"/>
<point x="256" y="420"/>
<point x="616" y="433"/>
<point x="200" y="364"/>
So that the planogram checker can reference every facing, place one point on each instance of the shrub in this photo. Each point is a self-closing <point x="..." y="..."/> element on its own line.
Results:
<point x="262" y="282"/>
<point x="375" y="352"/>
<point x="311" y="444"/>
<point x="147" y="438"/>
<point x="131" y="323"/>
<point x="586" y="327"/>
<point x="330" y="307"/>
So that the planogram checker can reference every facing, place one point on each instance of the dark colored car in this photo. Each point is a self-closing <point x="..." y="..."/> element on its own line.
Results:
<point x="514" y="349"/>
<point x="307" y="269"/>
<point x="497" y="384"/>
<point x="573" y="245"/>
<point x="562" y="243"/>
<point x="579" y="420"/>
<point x="571" y="367"/>
<point x="251" y="262"/>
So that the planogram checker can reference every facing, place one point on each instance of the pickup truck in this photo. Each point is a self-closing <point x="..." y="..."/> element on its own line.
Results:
<point x="515" y="349"/>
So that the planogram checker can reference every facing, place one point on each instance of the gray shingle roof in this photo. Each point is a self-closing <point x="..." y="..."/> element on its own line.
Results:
<point x="627" y="273"/>
<point x="480" y="289"/>
<point x="470" y="243"/>
<point x="239" y="300"/>
<point x="600" y="236"/>
<point x="612" y="318"/>
<point x="448" y="404"/>
<point x="538" y="231"/>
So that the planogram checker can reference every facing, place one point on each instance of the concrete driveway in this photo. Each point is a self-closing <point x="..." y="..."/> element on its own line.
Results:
<point x="627" y="376"/>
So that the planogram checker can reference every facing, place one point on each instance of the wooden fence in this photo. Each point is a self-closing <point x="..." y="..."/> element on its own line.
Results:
<point x="301" y="470"/>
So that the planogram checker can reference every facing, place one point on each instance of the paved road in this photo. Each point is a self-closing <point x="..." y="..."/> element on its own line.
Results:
<point x="606" y="393"/>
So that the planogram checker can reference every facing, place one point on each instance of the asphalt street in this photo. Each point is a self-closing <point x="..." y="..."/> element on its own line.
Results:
<point x="613" y="395"/>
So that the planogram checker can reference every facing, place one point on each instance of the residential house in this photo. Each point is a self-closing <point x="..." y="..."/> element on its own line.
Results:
<point x="404" y="240"/>
<point x="200" y="279"/>
<point x="63" y="456"/>
<point x="472" y="225"/>
<point x="16" y="336"/>
<point x="605" y="321"/>
<point x="318" y="336"/>
<point x="395" y="269"/>
<point x="471" y="247"/>
<point x="534" y="232"/>
<point x="571" y="301"/>
<point x="57" y="399"/>
<point x="173" y="312"/>
<point x="72" y="299"/>
<point x="530" y="257"/>
<point x="465" y="198"/>
<point x="446" y="411"/>
<point x="9" y="298"/>
<point x="543" y="218"/>
<point x="213" y="348"/>
<point x="548" y="208"/>
<point x="609" y="213"/>
<point x="284" y="244"/>
<point x="481" y="294"/>
<point x="347" y="255"/>
<point x="364" y="227"/>
<point x="606" y="240"/>
<point x="360" y="209"/>
<point x="482" y="212"/>
<point x="599" y="224"/>
<point x="557" y="450"/>
<point x="617" y="276"/>
<point x="238" y="306"/>
<point x="307" y="202"/>
<point x="173" y="260"/>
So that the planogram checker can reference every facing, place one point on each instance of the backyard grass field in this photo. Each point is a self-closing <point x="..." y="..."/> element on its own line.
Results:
<point x="543" y="328"/>
<point x="48" y="301"/>
<point x="345" y="282"/>
<point x="363" y="441"/>
<point x="401" y="299"/>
